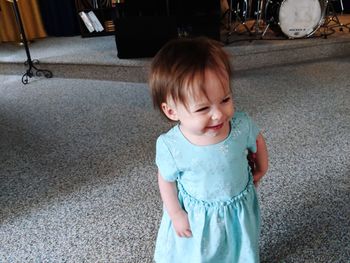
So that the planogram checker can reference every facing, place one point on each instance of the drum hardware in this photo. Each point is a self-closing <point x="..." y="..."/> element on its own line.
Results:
<point x="257" y="25"/>
<point x="331" y="16"/>
<point x="265" y="30"/>
<point x="239" y="19"/>
<point x="290" y="18"/>
<point x="270" y="21"/>
<point x="347" y="26"/>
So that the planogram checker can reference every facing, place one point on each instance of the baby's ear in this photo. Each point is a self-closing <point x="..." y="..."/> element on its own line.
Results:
<point x="170" y="111"/>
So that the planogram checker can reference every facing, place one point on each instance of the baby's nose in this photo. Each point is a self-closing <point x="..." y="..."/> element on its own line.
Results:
<point x="216" y="114"/>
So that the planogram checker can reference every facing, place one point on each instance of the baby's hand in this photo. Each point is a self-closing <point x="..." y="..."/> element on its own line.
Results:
<point x="181" y="224"/>
<point x="256" y="178"/>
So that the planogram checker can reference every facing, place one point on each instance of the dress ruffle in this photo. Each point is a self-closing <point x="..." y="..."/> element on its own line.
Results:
<point x="234" y="222"/>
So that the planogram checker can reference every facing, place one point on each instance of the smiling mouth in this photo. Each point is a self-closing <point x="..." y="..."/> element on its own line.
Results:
<point x="216" y="127"/>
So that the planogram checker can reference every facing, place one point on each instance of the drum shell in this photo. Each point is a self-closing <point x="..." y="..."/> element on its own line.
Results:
<point x="295" y="18"/>
<point x="271" y="11"/>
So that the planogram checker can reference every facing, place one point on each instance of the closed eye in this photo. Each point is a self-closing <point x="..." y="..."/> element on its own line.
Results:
<point x="202" y="109"/>
<point x="226" y="99"/>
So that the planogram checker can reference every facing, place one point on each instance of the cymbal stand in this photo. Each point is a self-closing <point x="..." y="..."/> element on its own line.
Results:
<point x="342" y="12"/>
<point x="241" y="21"/>
<point x="29" y="62"/>
<point x="331" y="16"/>
<point x="258" y="15"/>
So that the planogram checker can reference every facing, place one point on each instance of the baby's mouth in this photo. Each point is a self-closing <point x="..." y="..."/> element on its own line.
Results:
<point x="215" y="127"/>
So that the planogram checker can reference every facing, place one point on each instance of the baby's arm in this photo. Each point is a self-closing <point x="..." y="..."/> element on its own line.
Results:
<point x="260" y="159"/>
<point x="178" y="216"/>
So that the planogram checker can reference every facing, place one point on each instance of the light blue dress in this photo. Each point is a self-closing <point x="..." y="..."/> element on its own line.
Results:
<point x="215" y="189"/>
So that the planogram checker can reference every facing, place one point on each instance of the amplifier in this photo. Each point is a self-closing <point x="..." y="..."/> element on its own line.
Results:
<point x="143" y="36"/>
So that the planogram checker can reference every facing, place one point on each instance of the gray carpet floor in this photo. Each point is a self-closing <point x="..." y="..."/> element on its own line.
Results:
<point x="78" y="180"/>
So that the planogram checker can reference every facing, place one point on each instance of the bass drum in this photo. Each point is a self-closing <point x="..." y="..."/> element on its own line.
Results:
<point x="295" y="18"/>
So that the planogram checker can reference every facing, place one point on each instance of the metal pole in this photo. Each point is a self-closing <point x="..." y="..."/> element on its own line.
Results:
<point x="29" y="62"/>
<point x="21" y="29"/>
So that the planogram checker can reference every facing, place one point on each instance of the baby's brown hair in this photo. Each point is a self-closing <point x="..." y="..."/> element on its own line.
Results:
<point x="178" y="69"/>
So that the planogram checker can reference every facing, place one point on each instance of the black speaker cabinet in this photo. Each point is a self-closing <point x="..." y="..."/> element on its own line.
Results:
<point x="197" y="17"/>
<point x="143" y="36"/>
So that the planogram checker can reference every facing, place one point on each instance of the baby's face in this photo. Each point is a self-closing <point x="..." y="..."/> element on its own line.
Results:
<point x="206" y="119"/>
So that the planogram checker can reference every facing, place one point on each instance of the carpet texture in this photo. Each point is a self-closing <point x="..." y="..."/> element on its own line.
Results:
<point x="78" y="180"/>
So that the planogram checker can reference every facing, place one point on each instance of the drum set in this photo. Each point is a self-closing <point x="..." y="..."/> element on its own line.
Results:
<point x="289" y="18"/>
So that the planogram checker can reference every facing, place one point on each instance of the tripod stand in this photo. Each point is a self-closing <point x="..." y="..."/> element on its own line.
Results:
<point x="29" y="73"/>
<point x="331" y="16"/>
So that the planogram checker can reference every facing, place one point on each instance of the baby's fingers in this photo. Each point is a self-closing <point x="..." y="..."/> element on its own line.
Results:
<point x="187" y="233"/>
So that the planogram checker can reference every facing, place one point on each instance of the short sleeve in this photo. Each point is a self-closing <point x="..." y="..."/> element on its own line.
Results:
<point x="165" y="161"/>
<point x="253" y="132"/>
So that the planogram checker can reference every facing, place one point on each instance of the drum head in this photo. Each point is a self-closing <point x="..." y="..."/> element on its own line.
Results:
<point x="299" y="18"/>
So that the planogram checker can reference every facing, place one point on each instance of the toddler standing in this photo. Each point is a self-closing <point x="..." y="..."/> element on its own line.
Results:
<point x="211" y="211"/>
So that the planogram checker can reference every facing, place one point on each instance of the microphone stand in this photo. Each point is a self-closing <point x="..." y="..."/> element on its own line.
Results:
<point x="30" y="63"/>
